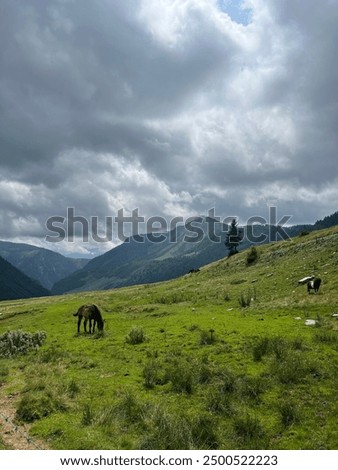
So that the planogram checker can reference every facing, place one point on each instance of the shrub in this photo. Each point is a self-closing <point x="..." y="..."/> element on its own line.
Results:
<point x="261" y="348"/>
<point x="207" y="337"/>
<point x="274" y="345"/>
<point x="129" y="408"/>
<point x="136" y="335"/>
<point x="13" y="343"/>
<point x="289" y="413"/>
<point x="203" y="431"/>
<point x="252" y="256"/>
<point x="87" y="414"/>
<point x="245" y="300"/>
<point x="326" y="336"/>
<point x="181" y="376"/>
<point x="293" y="368"/>
<point x="252" y="387"/>
<point x="37" y="405"/>
<point x="150" y="374"/>
<point x="205" y="371"/>
<point x="228" y="381"/>
<point x="248" y="428"/>
<point x="219" y="402"/>
<point x="166" y="430"/>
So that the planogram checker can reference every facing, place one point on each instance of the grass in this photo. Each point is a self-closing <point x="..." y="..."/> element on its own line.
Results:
<point x="181" y="365"/>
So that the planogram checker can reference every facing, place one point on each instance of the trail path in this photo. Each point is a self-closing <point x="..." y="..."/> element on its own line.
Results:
<point x="13" y="436"/>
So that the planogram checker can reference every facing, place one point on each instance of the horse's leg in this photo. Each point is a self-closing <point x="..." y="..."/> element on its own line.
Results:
<point x="85" y="324"/>
<point x="94" y="323"/>
<point x="78" y="324"/>
<point x="90" y="325"/>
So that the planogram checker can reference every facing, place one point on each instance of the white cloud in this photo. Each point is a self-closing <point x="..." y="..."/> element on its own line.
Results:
<point x="168" y="106"/>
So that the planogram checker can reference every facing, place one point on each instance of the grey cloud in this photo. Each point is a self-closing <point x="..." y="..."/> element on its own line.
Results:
<point x="174" y="90"/>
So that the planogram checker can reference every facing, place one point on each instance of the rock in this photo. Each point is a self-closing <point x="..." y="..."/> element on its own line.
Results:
<point x="310" y="322"/>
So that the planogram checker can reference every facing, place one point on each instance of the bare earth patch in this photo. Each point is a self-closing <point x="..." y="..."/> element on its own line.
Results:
<point x="14" y="436"/>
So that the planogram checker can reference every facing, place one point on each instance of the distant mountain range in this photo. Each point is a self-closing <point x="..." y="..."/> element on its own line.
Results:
<point x="136" y="263"/>
<point x="16" y="285"/>
<point x="132" y="262"/>
<point x="45" y="266"/>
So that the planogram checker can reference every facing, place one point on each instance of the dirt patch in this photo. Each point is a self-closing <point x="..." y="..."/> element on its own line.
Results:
<point x="14" y="436"/>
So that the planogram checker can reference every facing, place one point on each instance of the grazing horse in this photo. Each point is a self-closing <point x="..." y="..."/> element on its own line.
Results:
<point x="315" y="285"/>
<point x="91" y="313"/>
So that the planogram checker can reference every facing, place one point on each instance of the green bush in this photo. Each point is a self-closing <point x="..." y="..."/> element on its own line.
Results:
<point x="289" y="413"/>
<point x="136" y="335"/>
<point x="219" y="402"/>
<point x="249" y="429"/>
<point x="13" y="343"/>
<point x="261" y="348"/>
<point x="150" y="374"/>
<point x="181" y="376"/>
<point x="37" y="405"/>
<point x="252" y="256"/>
<point x="251" y="387"/>
<point x="207" y="337"/>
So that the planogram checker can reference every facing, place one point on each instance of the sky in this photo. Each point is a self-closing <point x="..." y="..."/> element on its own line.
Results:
<point x="170" y="107"/>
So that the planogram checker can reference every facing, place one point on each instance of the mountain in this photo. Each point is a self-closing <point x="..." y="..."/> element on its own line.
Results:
<point x="190" y="247"/>
<point x="136" y="262"/>
<point x="16" y="285"/>
<point x="45" y="266"/>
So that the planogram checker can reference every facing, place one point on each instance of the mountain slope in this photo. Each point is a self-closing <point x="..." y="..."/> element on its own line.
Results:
<point x="16" y="285"/>
<point x="192" y="246"/>
<point x="45" y="266"/>
<point x="135" y="262"/>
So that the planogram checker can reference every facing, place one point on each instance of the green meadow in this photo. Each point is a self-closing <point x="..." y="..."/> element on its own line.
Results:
<point x="219" y="359"/>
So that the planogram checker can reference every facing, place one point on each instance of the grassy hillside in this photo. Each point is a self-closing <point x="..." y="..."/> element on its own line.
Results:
<point x="182" y="364"/>
<point x="134" y="263"/>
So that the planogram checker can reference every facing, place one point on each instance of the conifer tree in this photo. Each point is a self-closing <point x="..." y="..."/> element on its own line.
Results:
<point x="234" y="238"/>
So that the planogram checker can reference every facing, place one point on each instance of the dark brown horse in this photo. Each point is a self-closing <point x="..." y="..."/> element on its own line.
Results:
<point x="92" y="313"/>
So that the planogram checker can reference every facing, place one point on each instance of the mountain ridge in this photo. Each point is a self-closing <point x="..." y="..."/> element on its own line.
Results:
<point x="43" y="265"/>
<point x="14" y="284"/>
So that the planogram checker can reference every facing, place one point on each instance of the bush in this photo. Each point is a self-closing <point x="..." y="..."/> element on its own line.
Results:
<point x="150" y="374"/>
<point x="136" y="335"/>
<point x="166" y="430"/>
<point x="87" y="414"/>
<point x="207" y="337"/>
<point x="13" y="343"/>
<point x="252" y="387"/>
<point x="261" y="348"/>
<point x="275" y="345"/>
<point x="219" y="402"/>
<point x="293" y="368"/>
<point x="37" y="405"/>
<point x="245" y="300"/>
<point x="289" y="413"/>
<point x="181" y="376"/>
<point x="326" y="336"/>
<point x="248" y="428"/>
<point x="252" y="256"/>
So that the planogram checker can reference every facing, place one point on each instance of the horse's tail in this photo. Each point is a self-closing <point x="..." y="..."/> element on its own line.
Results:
<point x="75" y="314"/>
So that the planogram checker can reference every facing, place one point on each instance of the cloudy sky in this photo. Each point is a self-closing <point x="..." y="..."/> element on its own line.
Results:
<point x="173" y="107"/>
